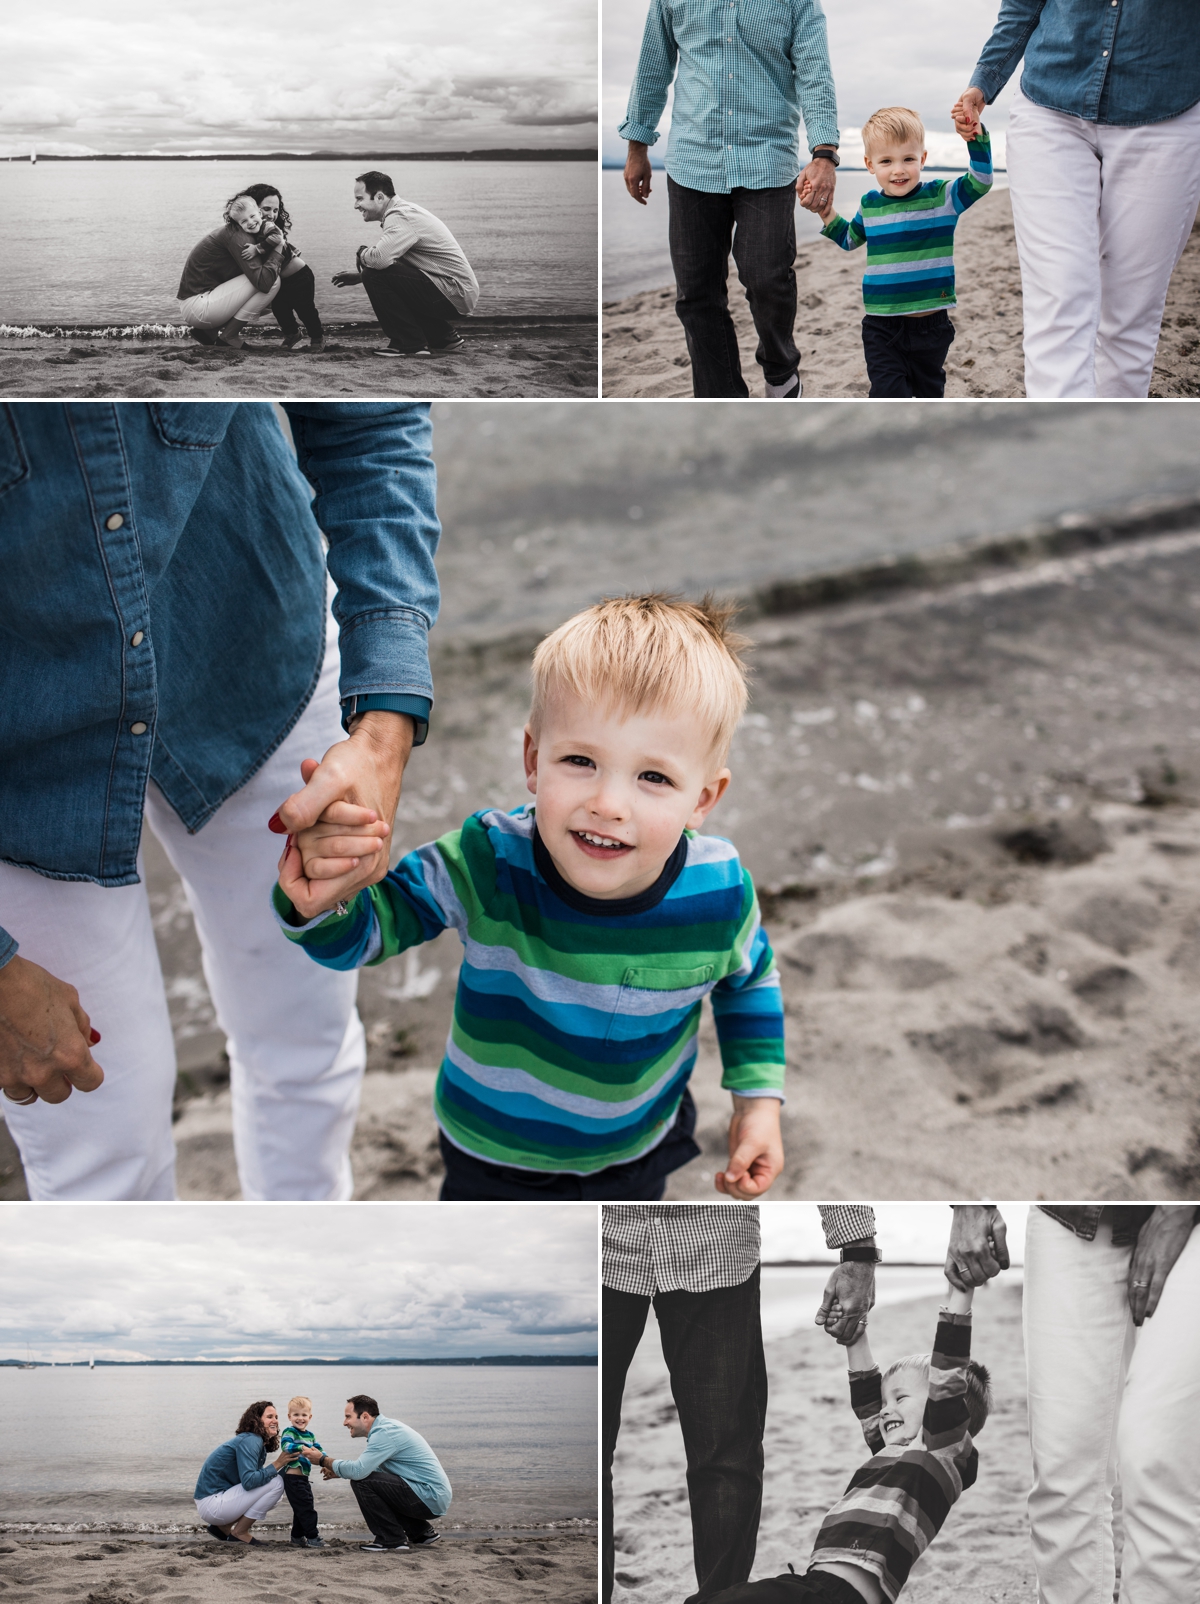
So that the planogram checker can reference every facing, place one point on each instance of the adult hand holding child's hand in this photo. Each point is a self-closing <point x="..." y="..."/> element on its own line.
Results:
<point x="967" y="110"/>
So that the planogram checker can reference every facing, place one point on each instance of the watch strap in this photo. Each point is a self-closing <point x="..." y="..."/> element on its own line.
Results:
<point x="861" y="1253"/>
<point x="418" y="709"/>
<point x="829" y="153"/>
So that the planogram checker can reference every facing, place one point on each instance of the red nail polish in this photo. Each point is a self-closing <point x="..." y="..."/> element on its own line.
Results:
<point x="94" y="1037"/>
<point x="276" y="825"/>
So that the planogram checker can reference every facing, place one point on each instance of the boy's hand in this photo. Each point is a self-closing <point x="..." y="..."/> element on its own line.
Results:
<point x="968" y="127"/>
<point x="343" y="838"/>
<point x="755" y="1148"/>
<point x="967" y="110"/>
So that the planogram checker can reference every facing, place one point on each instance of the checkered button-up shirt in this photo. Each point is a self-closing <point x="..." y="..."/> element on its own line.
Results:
<point x="684" y="1247"/>
<point x="747" y="69"/>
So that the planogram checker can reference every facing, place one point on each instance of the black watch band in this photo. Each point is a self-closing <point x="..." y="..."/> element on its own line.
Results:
<point x="861" y="1253"/>
<point x="827" y="153"/>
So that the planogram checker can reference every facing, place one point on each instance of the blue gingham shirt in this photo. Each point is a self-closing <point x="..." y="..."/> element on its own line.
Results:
<point x="747" y="71"/>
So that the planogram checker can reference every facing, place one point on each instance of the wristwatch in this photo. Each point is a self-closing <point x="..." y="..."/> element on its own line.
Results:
<point x="827" y="153"/>
<point x="417" y="708"/>
<point x="861" y="1253"/>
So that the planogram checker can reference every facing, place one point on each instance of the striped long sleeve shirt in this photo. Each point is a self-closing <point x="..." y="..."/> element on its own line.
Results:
<point x="910" y="238"/>
<point x="898" y="1501"/>
<point x="575" y="1020"/>
<point x="745" y="71"/>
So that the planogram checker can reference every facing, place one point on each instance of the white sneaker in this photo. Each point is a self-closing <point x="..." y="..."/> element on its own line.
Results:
<point x="791" y="391"/>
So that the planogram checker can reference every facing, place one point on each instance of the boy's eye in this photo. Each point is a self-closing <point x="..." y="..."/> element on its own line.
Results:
<point x="579" y="761"/>
<point x="654" y="777"/>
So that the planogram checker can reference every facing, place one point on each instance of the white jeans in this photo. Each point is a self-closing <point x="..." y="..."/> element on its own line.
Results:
<point x="1102" y="215"/>
<point x="237" y="297"/>
<point x="1109" y="1403"/>
<point x="222" y="1509"/>
<point x="296" y="1045"/>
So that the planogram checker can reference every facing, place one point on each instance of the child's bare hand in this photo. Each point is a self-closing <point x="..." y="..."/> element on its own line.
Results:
<point x="755" y="1149"/>
<point x="308" y="897"/>
<point x="343" y="835"/>
<point x="968" y="127"/>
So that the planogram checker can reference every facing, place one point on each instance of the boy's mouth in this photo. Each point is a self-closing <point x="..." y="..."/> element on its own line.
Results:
<point x="600" y="846"/>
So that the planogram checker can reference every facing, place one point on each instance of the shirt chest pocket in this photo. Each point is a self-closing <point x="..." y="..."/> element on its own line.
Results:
<point x="654" y="1001"/>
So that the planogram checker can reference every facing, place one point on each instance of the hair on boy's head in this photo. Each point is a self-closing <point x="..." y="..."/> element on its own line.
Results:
<point x="979" y="1386"/>
<point x="893" y="125"/>
<point x="637" y="653"/>
<point x="300" y="1399"/>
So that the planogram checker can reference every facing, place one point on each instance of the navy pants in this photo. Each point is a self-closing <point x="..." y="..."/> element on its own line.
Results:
<point x="907" y="355"/>
<point x="298" y="1492"/>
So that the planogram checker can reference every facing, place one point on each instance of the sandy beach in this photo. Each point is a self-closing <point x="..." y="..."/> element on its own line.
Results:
<point x="644" y="353"/>
<point x="559" y="1568"/>
<point x="813" y="1444"/>
<point x="503" y="357"/>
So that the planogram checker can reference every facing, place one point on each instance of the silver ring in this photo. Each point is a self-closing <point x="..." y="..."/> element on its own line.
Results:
<point x="1141" y="1283"/>
<point x="21" y="1102"/>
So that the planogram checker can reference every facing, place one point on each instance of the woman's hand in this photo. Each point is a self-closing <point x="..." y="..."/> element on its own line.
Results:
<point x="1160" y="1242"/>
<point x="286" y="1458"/>
<point x="968" y="108"/>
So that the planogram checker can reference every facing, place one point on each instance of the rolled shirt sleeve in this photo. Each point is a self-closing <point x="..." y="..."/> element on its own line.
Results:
<point x="846" y="1222"/>
<point x="655" y="70"/>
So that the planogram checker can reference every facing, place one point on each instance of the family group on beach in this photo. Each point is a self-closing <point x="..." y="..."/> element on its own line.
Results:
<point x="397" y="1481"/>
<point x="1101" y="170"/>
<point x="417" y="277"/>
<point x="1110" y="1303"/>
<point x="195" y="682"/>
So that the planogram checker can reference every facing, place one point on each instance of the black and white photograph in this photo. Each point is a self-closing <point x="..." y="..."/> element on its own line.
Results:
<point x="291" y="200"/>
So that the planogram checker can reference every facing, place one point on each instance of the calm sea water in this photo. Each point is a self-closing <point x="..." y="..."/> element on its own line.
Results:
<point x="121" y="1449"/>
<point x="636" y="256"/>
<point x="790" y="1296"/>
<point x="106" y="241"/>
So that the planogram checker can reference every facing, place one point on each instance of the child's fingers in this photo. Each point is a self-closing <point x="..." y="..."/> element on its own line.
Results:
<point x="348" y="813"/>
<point x="330" y="868"/>
<point x="341" y="846"/>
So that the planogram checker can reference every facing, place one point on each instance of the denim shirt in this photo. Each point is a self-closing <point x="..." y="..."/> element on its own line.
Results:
<point x="241" y="1461"/>
<point x="164" y="603"/>
<point x="1124" y="62"/>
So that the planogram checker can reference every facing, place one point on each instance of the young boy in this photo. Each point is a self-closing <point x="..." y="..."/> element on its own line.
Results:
<point x="920" y="1419"/>
<point x="593" y="923"/>
<point x="297" y="1489"/>
<point x="908" y="229"/>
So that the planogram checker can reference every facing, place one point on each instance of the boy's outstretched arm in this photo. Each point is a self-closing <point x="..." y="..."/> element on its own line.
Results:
<point x="755" y="1148"/>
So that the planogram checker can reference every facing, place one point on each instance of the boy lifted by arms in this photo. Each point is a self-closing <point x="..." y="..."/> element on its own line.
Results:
<point x="593" y="924"/>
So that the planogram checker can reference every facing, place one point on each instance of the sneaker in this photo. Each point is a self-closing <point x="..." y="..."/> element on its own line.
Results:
<point x="317" y="344"/>
<point x="291" y="342"/>
<point x="384" y="1548"/>
<point x="456" y="344"/>
<point x="299" y="1542"/>
<point x="784" y="392"/>
<point x="395" y="350"/>
<point x="424" y="1542"/>
<point x="316" y="1542"/>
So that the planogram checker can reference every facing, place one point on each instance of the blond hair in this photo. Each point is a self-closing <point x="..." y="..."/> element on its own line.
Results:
<point x="301" y="1399"/>
<point x="631" y="653"/>
<point x="979" y="1386"/>
<point x="893" y="125"/>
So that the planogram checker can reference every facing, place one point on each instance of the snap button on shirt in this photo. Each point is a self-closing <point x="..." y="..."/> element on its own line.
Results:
<point x="115" y="522"/>
<point x="137" y="729"/>
<point x="137" y="638"/>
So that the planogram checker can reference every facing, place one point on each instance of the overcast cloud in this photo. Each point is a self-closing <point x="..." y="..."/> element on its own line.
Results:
<point x="379" y="75"/>
<point x="296" y="1281"/>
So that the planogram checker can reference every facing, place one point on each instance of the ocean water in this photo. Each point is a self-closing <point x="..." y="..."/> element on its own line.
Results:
<point x="636" y="255"/>
<point x="120" y="1449"/>
<point x="791" y="1295"/>
<point x="96" y="242"/>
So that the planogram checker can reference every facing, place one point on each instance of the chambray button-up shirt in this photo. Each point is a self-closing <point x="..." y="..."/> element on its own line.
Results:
<point x="747" y="70"/>
<point x="1121" y="62"/>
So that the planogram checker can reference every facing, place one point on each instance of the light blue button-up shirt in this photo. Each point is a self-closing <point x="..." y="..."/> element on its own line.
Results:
<point x="747" y="71"/>
<point x="1122" y="62"/>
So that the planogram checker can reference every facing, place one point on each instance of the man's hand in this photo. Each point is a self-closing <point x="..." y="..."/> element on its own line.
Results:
<point x="849" y="1295"/>
<point x="815" y="186"/>
<point x="755" y="1148"/>
<point x="978" y="1247"/>
<point x="637" y="171"/>
<point x="328" y="1473"/>
<point x="343" y="279"/>
<point x="45" y="1036"/>
<point x="967" y="110"/>
<point x="367" y="770"/>
<point x="1160" y="1242"/>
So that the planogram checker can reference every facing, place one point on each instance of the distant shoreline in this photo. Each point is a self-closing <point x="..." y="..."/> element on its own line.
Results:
<point x="527" y="1360"/>
<point x="562" y="154"/>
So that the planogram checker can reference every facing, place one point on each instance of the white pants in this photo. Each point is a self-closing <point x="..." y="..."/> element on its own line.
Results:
<point x="222" y="1509"/>
<point x="237" y="297"/>
<point x="296" y="1045"/>
<point x="1109" y="1403"/>
<point x="1102" y="215"/>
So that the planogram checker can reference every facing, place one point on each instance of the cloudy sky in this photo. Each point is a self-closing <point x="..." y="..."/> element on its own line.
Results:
<point x="920" y="54"/>
<point x="912" y="1232"/>
<point x="135" y="75"/>
<point x="222" y="1281"/>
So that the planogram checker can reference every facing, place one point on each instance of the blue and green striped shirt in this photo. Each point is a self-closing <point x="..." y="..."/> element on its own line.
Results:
<point x="910" y="238"/>
<point x="575" y="1020"/>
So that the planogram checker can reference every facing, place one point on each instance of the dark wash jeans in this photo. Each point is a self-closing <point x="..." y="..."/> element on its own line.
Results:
<point x="761" y="226"/>
<point x="644" y="1180"/>
<point x="412" y="311"/>
<point x="907" y="355"/>
<point x="712" y="1343"/>
<point x="298" y="1493"/>
<point x="390" y="1508"/>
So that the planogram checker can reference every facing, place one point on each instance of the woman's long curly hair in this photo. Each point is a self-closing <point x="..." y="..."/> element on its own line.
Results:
<point x="258" y="193"/>
<point x="252" y="1421"/>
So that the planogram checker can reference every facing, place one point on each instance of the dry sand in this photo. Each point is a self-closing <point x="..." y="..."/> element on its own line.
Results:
<point x="644" y="353"/>
<point x="813" y="1444"/>
<point x="508" y="1569"/>
<point x="502" y="358"/>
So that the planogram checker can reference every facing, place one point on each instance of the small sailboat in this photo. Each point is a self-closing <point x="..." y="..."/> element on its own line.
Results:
<point x="92" y="1362"/>
<point x="33" y="157"/>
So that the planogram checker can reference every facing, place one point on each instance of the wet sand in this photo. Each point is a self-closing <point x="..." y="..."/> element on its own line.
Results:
<point x="813" y="1444"/>
<point x="502" y="357"/>
<point x="644" y="353"/>
<point x="560" y="1569"/>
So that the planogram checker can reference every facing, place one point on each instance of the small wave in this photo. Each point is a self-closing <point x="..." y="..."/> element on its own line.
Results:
<point x="132" y="331"/>
<point x="117" y="1528"/>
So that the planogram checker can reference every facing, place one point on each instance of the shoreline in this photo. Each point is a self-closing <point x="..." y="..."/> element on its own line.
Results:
<point x="18" y="1533"/>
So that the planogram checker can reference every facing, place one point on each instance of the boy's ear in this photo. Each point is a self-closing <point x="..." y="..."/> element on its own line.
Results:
<point x="708" y="798"/>
<point x="530" y="754"/>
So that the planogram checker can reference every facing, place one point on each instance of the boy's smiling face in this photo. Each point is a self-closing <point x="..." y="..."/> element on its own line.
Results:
<point x="615" y="792"/>
<point x="897" y="167"/>
<point x="905" y="1394"/>
<point x="300" y="1415"/>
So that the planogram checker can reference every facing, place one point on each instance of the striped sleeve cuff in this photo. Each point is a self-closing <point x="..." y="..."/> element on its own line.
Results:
<point x="641" y="132"/>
